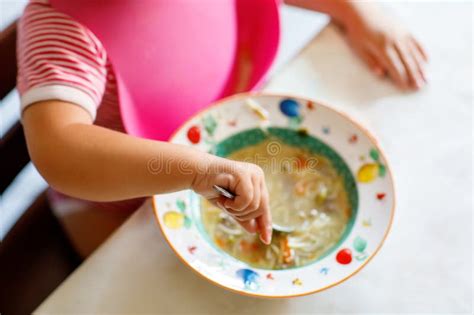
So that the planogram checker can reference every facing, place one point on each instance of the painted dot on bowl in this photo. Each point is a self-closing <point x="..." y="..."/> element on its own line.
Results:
<point x="181" y="205"/>
<point x="173" y="219"/>
<point x="192" y="249"/>
<point x="368" y="172"/>
<point x="194" y="134"/>
<point x="249" y="277"/>
<point x="290" y="107"/>
<point x="344" y="256"/>
<point x="297" y="281"/>
<point x="353" y="138"/>
<point x="360" y="244"/>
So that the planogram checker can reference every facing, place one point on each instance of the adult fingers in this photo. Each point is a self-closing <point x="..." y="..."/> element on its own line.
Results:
<point x="390" y="60"/>
<point x="373" y="64"/>
<point x="420" y="61"/>
<point x="420" y="49"/>
<point x="415" y="79"/>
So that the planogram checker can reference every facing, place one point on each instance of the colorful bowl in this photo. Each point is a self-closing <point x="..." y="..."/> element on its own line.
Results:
<point x="233" y="123"/>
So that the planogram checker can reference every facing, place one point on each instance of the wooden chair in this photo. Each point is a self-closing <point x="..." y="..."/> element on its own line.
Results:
<point x="35" y="255"/>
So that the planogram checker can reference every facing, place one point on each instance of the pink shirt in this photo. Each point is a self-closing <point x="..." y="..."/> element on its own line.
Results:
<point x="59" y="59"/>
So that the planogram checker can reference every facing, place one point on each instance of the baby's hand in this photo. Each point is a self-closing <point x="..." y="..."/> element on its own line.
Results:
<point x="250" y="207"/>
<point x="387" y="47"/>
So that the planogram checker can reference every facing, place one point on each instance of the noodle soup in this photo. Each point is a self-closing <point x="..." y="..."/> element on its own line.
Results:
<point x="306" y="192"/>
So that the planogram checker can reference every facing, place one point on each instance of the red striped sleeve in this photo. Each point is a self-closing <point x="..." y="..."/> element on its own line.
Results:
<point x="58" y="58"/>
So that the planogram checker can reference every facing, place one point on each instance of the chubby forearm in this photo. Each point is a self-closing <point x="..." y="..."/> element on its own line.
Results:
<point x="95" y="163"/>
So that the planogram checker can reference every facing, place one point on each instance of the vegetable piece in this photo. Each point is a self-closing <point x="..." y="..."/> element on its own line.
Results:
<point x="247" y="246"/>
<point x="220" y="242"/>
<point x="300" y="188"/>
<point x="287" y="253"/>
<point x="301" y="162"/>
<point x="322" y="194"/>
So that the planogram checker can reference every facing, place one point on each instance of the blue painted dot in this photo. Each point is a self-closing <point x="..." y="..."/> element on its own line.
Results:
<point x="326" y="130"/>
<point x="290" y="108"/>
<point x="249" y="277"/>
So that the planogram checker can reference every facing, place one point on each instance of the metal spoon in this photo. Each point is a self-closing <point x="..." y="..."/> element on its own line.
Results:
<point x="277" y="227"/>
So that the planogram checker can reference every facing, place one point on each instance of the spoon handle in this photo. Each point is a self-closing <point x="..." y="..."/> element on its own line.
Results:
<point x="224" y="192"/>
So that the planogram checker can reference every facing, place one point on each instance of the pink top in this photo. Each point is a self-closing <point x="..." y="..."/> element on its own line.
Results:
<point x="58" y="58"/>
<point x="145" y="66"/>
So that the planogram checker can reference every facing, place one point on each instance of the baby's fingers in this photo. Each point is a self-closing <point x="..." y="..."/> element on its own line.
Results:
<point x="246" y="217"/>
<point x="264" y="222"/>
<point x="264" y="225"/>
<point x="253" y="209"/>
<point x="250" y="226"/>
<point x="244" y="196"/>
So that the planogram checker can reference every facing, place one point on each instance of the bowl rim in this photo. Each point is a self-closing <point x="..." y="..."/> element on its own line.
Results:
<point x="318" y="103"/>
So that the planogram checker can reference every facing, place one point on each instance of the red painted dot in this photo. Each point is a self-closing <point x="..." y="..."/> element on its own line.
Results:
<point x="194" y="134"/>
<point x="380" y="196"/>
<point x="344" y="256"/>
<point x="191" y="249"/>
<point x="353" y="138"/>
<point x="310" y="105"/>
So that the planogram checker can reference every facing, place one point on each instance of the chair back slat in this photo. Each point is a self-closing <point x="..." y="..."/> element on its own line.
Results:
<point x="35" y="255"/>
<point x="8" y="60"/>
<point x="14" y="155"/>
<point x="12" y="145"/>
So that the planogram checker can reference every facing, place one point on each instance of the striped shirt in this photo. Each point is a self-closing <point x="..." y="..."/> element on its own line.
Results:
<point x="60" y="59"/>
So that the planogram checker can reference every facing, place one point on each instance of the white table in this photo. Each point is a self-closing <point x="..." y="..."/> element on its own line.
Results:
<point x="425" y="264"/>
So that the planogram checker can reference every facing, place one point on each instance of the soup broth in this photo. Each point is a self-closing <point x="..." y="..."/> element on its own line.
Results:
<point x="306" y="192"/>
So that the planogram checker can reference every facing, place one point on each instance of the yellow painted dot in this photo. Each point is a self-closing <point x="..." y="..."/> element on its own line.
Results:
<point x="173" y="219"/>
<point x="367" y="173"/>
<point x="297" y="281"/>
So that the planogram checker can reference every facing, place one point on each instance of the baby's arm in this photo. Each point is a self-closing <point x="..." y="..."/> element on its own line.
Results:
<point x="385" y="46"/>
<point x="94" y="163"/>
